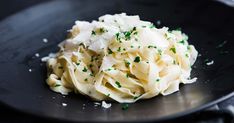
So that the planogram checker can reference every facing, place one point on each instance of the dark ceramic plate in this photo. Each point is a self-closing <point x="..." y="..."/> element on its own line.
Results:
<point x="208" y="24"/>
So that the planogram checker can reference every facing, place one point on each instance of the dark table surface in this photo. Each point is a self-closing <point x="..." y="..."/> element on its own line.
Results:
<point x="215" y="114"/>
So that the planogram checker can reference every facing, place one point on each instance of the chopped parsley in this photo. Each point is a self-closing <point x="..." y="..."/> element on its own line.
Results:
<point x="57" y="85"/>
<point x="86" y="79"/>
<point x="178" y="29"/>
<point x="133" y="29"/>
<point x="125" y="106"/>
<point x="117" y="36"/>
<point x="102" y="30"/>
<point x="119" y="49"/>
<point x="127" y="75"/>
<point x="173" y="49"/>
<point x="108" y="95"/>
<point x="99" y="31"/>
<point x="182" y="42"/>
<point x="223" y="52"/>
<point x="136" y="97"/>
<point x="137" y="59"/>
<point x="206" y="60"/>
<point x="77" y="64"/>
<point x="188" y="47"/>
<point x="93" y="33"/>
<point x="109" y="51"/>
<point x="150" y="46"/>
<point x="157" y="80"/>
<point x="118" y="84"/>
<point x="127" y="35"/>
<point x="127" y="63"/>
<point x="160" y="51"/>
<point x="152" y="26"/>
<point x="91" y="74"/>
<point x="187" y="55"/>
<point x="132" y="46"/>
<point x="85" y="69"/>
<point x="109" y="69"/>
<point x="222" y="44"/>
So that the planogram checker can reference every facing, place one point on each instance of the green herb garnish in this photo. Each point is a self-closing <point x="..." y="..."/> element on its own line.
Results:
<point x="188" y="47"/>
<point x="92" y="58"/>
<point x="119" y="49"/>
<point x="57" y="85"/>
<point x="118" y="84"/>
<point x="182" y="42"/>
<point x="152" y="26"/>
<point x="223" y="52"/>
<point x="85" y="69"/>
<point x="178" y="29"/>
<point x="109" y="51"/>
<point x="125" y="106"/>
<point x="117" y="36"/>
<point x="173" y="49"/>
<point x="160" y="51"/>
<point x="93" y="33"/>
<point x="127" y="63"/>
<point x="127" y="35"/>
<point x="137" y="59"/>
<point x="136" y="97"/>
<point x="127" y="75"/>
<point x="206" y="60"/>
<point x="150" y="46"/>
<point x="222" y="44"/>
<point x="102" y="30"/>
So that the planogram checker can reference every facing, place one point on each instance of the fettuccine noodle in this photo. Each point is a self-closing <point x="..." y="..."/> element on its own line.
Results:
<point x="122" y="58"/>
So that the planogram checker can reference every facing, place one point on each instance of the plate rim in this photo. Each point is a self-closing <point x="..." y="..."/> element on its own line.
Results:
<point x="163" y="118"/>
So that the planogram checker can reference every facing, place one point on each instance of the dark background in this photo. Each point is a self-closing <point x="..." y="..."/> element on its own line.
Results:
<point x="8" y="115"/>
<point x="9" y="7"/>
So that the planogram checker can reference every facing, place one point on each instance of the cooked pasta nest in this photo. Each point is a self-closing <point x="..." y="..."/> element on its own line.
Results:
<point x="121" y="58"/>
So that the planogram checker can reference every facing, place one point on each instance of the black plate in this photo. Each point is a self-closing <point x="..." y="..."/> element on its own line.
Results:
<point x="208" y="24"/>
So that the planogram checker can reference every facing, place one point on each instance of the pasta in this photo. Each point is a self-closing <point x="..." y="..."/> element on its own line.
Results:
<point x="121" y="58"/>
